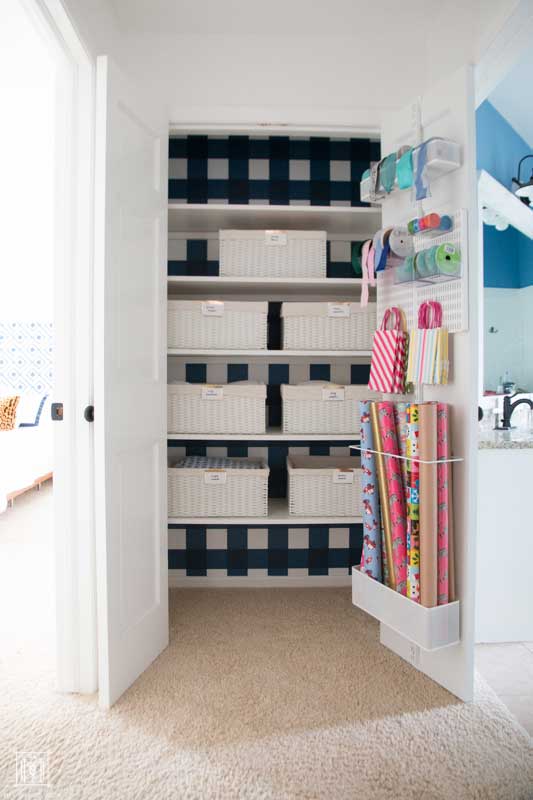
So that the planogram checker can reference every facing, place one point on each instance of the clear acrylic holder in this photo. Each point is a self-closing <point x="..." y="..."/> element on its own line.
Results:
<point x="451" y="460"/>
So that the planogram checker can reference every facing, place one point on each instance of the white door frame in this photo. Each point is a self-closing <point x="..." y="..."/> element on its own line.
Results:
<point x="73" y="352"/>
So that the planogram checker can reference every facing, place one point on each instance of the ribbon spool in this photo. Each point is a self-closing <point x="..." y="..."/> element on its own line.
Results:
<point x="448" y="259"/>
<point x="401" y="243"/>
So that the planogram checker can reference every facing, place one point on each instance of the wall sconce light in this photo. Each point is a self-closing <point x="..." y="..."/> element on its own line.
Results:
<point x="524" y="190"/>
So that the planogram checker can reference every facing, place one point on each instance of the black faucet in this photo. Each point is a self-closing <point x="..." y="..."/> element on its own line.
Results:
<point x="508" y="409"/>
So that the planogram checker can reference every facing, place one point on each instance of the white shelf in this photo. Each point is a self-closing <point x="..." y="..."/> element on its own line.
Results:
<point x="495" y="196"/>
<point x="272" y="434"/>
<point x="287" y="286"/>
<point x="429" y="628"/>
<point x="270" y="354"/>
<point x="354" y="222"/>
<point x="278" y="515"/>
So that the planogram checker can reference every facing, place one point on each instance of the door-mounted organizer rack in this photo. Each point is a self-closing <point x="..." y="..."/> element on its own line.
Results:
<point x="451" y="294"/>
<point x="442" y="156"/>
<point x="429" y="628"/>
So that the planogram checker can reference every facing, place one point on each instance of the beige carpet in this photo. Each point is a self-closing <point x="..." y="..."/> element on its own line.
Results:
<point x="262" y="694"/>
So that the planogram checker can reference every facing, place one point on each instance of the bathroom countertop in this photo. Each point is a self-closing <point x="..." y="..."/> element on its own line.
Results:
<point x="505" y="440"/>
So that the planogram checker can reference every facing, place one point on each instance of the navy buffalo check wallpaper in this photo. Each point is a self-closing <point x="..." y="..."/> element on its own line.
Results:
<point x="272" y="170"/>
<point x="264" y="170"/>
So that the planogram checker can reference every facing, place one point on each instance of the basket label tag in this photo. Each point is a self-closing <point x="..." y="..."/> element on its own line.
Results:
<point x="338" y="309"/>
<point x="275" y="238"/>
<point x="212" y="393"/>
<point x="334" y="393"/>
<point x="213" y="308"/>
<point x="343" y="476"/>
<point x="215" y="476"/>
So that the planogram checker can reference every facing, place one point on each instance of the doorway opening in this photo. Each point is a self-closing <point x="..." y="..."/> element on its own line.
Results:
<point x="504" y="625"/>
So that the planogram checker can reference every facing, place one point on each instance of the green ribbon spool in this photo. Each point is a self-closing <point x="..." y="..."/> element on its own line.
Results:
<point x="387" y="172"/>
<point x="448" y="259"/>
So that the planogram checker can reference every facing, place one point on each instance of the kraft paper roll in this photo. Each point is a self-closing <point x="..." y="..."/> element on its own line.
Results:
<point x="428" y="503"/>
<point x="371" y="552"/>
<point x="396" y="494"/>
<point x="383" y="495"/>
<point x="443" y="451"/>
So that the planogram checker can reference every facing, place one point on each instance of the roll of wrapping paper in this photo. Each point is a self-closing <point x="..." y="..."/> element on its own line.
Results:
<point x="443" y="512"/>
<point x="396" y="495"/>
<point x="413" y="524"/>
<point x="427" y="448"/>
<point x="400" y="417"/>
<point x="383" y="495"/>
<point x="371" y="553"/>
<point x="384" y="562"/>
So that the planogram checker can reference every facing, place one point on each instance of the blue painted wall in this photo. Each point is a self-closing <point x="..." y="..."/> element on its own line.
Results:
<point x="508" y="254"/>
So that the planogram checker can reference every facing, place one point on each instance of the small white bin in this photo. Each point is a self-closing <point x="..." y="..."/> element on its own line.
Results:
<point x="316" y="407"/>
<point x="217" y="325"/>
<point x="429" y="628"/>
<point x="273" y="254"/>
<point x="324" y="486"/>
<point x="328" y="326"/>
<point x="205" y="408"/>
<point x="218" y="487"/>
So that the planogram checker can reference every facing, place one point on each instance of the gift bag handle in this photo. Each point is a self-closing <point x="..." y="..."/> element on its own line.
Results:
<point x="430" y="315"/>
<point x="392" y="312"/>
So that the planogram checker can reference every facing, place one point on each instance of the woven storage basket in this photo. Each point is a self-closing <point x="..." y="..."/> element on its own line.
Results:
<point x="227" y="487"/>
<point x="203" y="408"/>
<point x="273" y="254"/>
<point x="317" y="407"/>
<point x="212" y="325"/>
<point x="324" y="486"/>
<point x="328" y="326"/>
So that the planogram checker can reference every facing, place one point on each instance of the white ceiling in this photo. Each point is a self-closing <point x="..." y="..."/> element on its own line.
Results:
<point x="274" y="17"/>
<point x="512" y="97"/>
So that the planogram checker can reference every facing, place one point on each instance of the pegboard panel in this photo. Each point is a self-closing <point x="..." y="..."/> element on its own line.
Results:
<point x="451" y="294"/>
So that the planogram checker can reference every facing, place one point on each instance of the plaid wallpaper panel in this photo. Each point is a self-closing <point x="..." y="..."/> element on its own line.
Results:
<point x="200" y="257"/>
<point x="255" y="551"/>
<point x="268" y="170"/>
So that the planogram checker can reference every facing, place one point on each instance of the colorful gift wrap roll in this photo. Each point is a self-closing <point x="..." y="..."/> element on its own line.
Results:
<point x="443" y="491"/>
<point x="413" y="524"/>
<point x="371" y="553"/>
<point x="396" y="494"/>
<point x="384" y="497"/>
<point x="427" y="444"/>
<point x="402" y="430"/>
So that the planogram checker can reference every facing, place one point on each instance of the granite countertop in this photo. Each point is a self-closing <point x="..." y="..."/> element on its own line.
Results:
<point x="505" y="440"/>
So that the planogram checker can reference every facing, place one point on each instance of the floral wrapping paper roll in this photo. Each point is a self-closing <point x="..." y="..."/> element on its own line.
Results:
<point x="371" y="553"/>
<point x="443" y="492"/>
<point x="396" y="494"/>
<point x="413" y="524"/>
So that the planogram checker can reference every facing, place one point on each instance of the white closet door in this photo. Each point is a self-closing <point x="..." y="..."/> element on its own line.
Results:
<point x="447" y="110"/>
<point x="130" y="381"/>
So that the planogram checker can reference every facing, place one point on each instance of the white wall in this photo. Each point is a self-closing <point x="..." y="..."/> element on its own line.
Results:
<point x="27" y="100"/>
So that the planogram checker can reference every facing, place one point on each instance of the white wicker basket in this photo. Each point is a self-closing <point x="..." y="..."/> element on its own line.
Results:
<point x="203" y="408"/>
<point x="229" y="487"/>
<point x="222" y="325"/>
<point x="317" y="407"/>
<point x="328" y="326"/>
<point x="324" y="486"/>
<point x="273" y="254"/>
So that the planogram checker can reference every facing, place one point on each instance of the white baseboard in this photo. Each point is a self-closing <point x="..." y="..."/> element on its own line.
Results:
<point x="268" y="582"/>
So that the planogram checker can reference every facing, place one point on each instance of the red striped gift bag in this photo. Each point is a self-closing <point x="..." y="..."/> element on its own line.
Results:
<point x="389" y="352"/>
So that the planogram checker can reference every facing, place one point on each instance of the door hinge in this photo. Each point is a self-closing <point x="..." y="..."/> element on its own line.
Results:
<point x="89" y="413"/>
<point x="56" y="412"/>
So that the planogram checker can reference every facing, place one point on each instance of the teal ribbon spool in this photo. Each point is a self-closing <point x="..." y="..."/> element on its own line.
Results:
<point x="356" y="259"/>
<point x="430" y="262"/>
<point x="387" y="172"/>
<point x="405" y="271"/>
<point x="404" y="169"/>
<point x="420" y="264"/>
<point x="448" y="259"/>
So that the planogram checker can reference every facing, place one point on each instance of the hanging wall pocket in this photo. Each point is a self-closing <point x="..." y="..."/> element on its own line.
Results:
<point x="428" y="361"/>
<point x="389" y="350"/>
